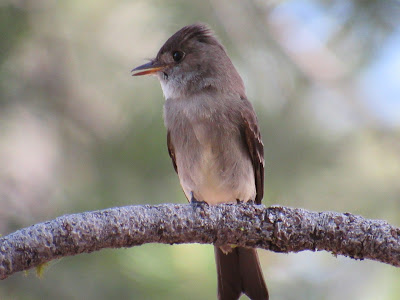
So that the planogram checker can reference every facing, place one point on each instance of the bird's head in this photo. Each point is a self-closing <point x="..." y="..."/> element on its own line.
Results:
<point x="190" y="61"/>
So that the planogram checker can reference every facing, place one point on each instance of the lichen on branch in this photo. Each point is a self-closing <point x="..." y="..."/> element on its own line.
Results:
<point x="279" y="229"/>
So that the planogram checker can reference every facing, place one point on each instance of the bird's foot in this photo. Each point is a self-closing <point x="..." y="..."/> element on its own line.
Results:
<point x="249" y="202"/>
<point x="195" y="202"/>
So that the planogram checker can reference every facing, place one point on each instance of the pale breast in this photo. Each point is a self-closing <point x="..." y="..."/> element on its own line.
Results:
<point x="211" y="157"/>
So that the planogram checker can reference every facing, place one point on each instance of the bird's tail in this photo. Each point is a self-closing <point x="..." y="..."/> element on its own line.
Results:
<point x="239" y="272"/>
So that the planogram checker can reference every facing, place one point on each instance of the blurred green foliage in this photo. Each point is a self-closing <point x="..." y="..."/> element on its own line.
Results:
<point x="77" y="133"/>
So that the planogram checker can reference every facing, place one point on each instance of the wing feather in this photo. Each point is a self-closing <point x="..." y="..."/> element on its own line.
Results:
<point x="252" y="138"/>
<point x="171" y="151"/>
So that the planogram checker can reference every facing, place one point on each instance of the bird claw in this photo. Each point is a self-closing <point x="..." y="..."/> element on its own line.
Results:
<point x="195" y="202"/>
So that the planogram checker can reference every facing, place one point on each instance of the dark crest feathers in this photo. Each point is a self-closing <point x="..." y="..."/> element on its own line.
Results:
<point x="201" y="32"/>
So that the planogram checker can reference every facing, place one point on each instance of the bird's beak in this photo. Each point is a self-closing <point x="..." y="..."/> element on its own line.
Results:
<point x="149" y="68"/>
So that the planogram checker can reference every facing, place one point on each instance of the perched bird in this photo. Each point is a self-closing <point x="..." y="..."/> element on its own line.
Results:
<point x="213" y="140"/>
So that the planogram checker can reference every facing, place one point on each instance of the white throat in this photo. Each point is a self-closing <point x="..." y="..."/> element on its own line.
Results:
<point x="168" y="89"/>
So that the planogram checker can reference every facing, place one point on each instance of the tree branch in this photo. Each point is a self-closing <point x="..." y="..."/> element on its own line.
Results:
<point x="279" y="229"/>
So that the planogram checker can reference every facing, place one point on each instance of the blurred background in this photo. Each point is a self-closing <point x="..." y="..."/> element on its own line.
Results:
<point x="78" y="133"/>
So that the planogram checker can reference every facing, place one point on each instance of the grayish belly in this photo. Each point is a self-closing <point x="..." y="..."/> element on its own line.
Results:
<point x="218" y="170"/>
<point x="212" y="159"/>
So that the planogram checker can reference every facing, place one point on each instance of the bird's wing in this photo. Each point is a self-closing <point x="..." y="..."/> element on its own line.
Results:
<point x="252" y="137"/>
<point x="171" y="151"/>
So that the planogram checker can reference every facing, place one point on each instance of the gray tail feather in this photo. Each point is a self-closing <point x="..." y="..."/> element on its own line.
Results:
<point x="239" y="272"/>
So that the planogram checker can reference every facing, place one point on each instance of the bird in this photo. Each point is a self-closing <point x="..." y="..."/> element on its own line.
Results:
<point x="214" y="141"/>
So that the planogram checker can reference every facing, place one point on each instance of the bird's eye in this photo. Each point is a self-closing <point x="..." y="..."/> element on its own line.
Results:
<point x="178" y="55"/>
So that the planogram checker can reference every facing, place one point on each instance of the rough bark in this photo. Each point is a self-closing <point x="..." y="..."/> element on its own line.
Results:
<point x="279" y="229"/>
